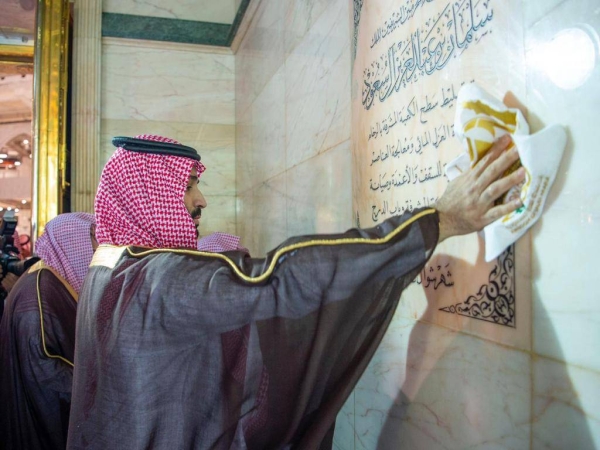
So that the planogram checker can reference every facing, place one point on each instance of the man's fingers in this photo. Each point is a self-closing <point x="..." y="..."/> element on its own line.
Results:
<point x="493" y="153"/>
<point x="500" y="211"/>
<point x="498" y="188"/>
<point x="497" y="168"/>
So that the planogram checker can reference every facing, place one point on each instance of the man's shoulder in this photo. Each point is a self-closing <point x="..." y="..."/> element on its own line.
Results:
<point x="173" y="255"/>
<point x="170" y="262"/>
<point x="23" y="296"/>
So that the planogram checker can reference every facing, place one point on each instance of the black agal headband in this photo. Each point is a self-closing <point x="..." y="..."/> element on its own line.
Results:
<point x="154" y="147"/>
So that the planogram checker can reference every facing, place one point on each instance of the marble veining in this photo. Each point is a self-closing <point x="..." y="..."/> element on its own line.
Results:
<point x="318" y="87"/>
<point x="432" y="388"/>
<point x="222" y="11"/>
<point x="441" y="379"/>
<point x="181" y="85"/>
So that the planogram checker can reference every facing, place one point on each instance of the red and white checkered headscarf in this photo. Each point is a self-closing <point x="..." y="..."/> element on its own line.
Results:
<point x="140" y="199"/>
<point x="220" y="242"/>
<point x="66" y="246"/>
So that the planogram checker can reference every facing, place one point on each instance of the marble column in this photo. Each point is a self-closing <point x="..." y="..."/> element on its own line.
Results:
<point x="85" y="138"/>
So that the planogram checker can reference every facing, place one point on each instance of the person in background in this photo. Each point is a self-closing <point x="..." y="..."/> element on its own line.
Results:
<point x="37" y="337"/>
<point x="187" y="349"/>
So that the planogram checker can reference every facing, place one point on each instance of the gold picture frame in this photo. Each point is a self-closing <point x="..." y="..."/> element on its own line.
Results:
<point x="51" y="71"/>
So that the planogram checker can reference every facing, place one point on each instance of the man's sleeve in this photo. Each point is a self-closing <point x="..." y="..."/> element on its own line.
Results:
<point x="305" y="273"/>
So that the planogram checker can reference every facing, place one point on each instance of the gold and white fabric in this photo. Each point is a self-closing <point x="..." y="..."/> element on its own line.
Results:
<point x="479" y="121"/>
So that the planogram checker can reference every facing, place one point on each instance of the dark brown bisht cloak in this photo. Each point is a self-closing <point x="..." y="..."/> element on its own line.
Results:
<point x="188" y="350"/>
<point x="37" y="341"/>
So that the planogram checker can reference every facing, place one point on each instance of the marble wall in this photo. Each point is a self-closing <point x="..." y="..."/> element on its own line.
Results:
<point x="563" y="86"/>
<point x="293" y="159"/>
<point x="439" y="381"/>
<point x="222" y="11"/>
<point x="181" y="91"/>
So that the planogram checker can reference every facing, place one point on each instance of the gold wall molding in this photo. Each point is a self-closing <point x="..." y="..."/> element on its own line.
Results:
<point x="16" y="54"/>
<point x="86" y="95"/>
<point x="51" y="60"/>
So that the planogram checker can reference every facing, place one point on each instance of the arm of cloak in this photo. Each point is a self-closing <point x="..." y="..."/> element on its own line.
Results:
<point x="301" y="275"/>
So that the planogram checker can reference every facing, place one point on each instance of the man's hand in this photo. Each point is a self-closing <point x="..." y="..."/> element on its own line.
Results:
<point x="467" y="205"/>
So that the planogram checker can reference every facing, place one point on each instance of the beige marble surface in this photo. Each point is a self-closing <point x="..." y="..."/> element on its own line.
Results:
<point x="439" y="380"/>
<point x="444" y="381"/>
<point x="219" y="215"/>
<point x="566" y="241"/>
<point x="300" y="18"/>
<point x="267" y="157"/>
<point x="292" y="122"/>
<point x="262" y="216"/>
<point x="175" y="84"/>
<point x="566" y="401"/>
<point x="319" y="192"/>
<point x="343" y="438"/>
<point x="566" y="314"/>
<point x="260" y="54"/>
<point x="317" y="84"/>
<point x="432" y="388"/>
<point x="222" y="11"/>
<point x="244" y="153"/>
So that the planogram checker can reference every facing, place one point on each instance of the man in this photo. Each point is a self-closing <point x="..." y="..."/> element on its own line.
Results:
<point x="193" y="350"/>
<point x="37" y="337"/>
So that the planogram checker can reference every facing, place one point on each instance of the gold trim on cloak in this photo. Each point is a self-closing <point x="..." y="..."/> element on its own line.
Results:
<point x="108" y="255"/>
<point x="38" y="267"/>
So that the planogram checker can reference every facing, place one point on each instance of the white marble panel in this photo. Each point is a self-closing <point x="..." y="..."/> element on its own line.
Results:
<point x="244" y="165"/>
<point x="565" y="407"/>
<point x="535" y="10"/>
<point x="319" y="193"/>
<point x="222" y="11"/>
<point x="244" y="225"/>
<point x="268" y="131"/>
<point x="169" y="85"/>
<point x="219" y="215"/>
<point x="262" y="216"/>
<point x="566" y="241"/>
<point x="432" y="388"/>
<point x="261" y="52"/>
<point x="318" y="87"/>
<point x="300" y="16"/>
<point x="566" y="312"/>
<point x="343" y="438"/>
<point x="215" y="143"/>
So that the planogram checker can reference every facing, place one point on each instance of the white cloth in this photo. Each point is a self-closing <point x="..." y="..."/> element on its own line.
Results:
<point x="480" y="120"/>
